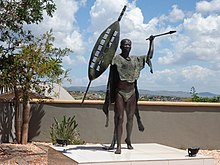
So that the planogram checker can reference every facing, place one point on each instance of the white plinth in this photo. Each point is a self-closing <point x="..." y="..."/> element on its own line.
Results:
<point x="142" y="154"/>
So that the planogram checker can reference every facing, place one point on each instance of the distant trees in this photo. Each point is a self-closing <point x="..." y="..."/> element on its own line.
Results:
<point x="27" y="61"/>
<point x="196" y="98"/>
<point x="194" y="94"/>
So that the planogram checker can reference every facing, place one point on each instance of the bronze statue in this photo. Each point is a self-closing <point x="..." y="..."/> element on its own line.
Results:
<point x="122" y="90"/>
<point x="122" y="83"/>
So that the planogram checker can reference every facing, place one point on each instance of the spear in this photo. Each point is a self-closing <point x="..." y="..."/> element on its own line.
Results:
<point x="151" y="56"/>
<point x="170" y="32"/>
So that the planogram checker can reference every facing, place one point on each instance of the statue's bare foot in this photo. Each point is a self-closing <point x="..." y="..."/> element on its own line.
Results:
<point x="118" y="150"/>
<point x="111" y="147"/>
<point x="129" y="146"/>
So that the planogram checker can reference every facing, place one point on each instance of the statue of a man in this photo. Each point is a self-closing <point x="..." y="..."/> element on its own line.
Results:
<point x="124" y="73"/>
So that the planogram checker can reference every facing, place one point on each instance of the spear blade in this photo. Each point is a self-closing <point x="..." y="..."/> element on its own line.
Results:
<point x="170" y="32"/>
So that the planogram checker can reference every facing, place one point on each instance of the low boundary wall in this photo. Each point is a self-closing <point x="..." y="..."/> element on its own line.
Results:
<point x="177" y="124"/>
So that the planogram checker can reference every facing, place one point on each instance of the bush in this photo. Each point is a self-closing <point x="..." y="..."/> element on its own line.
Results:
<point x="65" y="130"/>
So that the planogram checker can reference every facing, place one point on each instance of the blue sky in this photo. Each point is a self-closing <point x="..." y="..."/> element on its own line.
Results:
<point x="190" y="57"/>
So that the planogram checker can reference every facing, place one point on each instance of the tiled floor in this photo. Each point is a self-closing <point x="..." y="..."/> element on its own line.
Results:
<point x="142" y="154"/>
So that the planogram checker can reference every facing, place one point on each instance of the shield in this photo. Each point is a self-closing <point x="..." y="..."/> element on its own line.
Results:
<point x="104" y="50"/>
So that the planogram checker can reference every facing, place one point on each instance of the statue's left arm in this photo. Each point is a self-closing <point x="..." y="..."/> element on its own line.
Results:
<point x="150" y="53"/>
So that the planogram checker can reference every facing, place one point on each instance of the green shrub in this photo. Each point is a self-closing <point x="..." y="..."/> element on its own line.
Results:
<point x="65" y="130"/>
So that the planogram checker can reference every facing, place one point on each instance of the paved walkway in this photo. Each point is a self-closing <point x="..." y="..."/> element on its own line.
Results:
<point x="57" y="158"/>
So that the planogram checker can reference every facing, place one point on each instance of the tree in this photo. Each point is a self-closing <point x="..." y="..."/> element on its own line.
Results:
<point x="25" y="60"/>
<point x="14" y="14"/>
<point x="41" y="64"/>
<point x="196" y="98"/>
<point x="194" y="94"/>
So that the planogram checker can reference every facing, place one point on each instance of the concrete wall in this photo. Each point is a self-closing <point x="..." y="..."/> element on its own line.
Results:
<point x="180" y="125"/>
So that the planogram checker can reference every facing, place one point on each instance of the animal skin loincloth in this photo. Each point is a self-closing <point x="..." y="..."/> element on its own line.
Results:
<point x="126" y="94"/>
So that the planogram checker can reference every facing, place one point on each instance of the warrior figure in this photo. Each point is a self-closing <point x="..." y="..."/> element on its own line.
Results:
<point x="122" y="90"/>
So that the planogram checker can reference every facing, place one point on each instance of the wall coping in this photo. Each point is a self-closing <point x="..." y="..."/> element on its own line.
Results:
<point x="143" y="103"/>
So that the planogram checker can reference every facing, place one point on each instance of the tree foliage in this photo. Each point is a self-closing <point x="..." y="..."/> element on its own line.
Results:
<point x="27" y="62"/>
<point x="196" y="98"/>
<point x="14" y="14"/>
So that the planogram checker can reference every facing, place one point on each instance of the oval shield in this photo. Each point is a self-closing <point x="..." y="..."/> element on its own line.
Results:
<point x="104" y="50"/>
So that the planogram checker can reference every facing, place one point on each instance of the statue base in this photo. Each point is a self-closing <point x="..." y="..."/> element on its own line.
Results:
<point x="142" y="154"/>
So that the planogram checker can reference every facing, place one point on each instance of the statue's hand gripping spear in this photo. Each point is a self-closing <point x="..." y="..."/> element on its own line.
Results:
<point x="150" y="54"/>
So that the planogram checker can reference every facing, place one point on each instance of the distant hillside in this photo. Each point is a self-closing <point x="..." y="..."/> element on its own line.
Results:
<point x="143" y="92"/>
<point x="83" y="88"/>
<point x="165" y="93"/>
<point x="207" y="94"/>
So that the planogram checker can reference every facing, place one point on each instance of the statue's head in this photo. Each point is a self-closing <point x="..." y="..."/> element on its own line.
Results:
<point x="125" y="46"/>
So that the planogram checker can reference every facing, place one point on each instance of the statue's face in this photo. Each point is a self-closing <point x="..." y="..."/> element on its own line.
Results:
<point x="125" y="47"/>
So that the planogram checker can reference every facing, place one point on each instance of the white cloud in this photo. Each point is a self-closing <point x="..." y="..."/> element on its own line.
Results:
<point x="65" y="9"/>
<point x="135" y="17"/>
<point x="208" y="6"/>
<point x="200" y="25"/>
<point x="132" y="26"/>
<point x="104" y="12"/>
<point x="64" y="25"/>
<point x="168" y="58"/>
<point x="65" y="29"/>
<point x="198" y="40"/>
<point x="182" y="78"/>
<point x="67" y="60"/>
<point x="74" y="41"/>
<point x="196" y="72"/>
<point x="176" y="14"/>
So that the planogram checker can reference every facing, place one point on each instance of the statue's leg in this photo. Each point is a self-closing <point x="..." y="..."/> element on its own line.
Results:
<point x="112" y="146"/>
<point x="140" y="125"/>
<point x="130" y="110"/>
<point x="119" y="117"/>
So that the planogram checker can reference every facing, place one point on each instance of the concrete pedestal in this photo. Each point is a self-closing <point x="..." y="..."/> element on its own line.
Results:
<point x="142" y="154"/>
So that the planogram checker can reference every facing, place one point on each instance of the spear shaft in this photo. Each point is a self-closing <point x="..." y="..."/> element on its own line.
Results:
<point x="86" y="92"/>
<point x="170" y="32"/>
